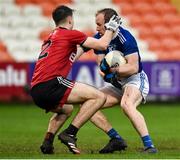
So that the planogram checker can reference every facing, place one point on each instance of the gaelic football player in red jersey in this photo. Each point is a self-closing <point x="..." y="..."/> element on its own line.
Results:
<point x="50" y="88"/>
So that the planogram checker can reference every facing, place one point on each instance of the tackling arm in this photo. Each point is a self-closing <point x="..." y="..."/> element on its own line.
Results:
<point x="79" y="52"/>
<point x="99" y="44"/>
<point x="103" y="42"/>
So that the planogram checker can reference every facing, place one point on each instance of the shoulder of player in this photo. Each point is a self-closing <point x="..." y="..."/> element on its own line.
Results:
<point x="76" y="31"/>
<point x="125" y="34"/>
<point x="67" y="31"/>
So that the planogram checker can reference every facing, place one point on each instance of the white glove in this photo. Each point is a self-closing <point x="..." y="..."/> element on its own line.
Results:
<point x="113" y="23"/>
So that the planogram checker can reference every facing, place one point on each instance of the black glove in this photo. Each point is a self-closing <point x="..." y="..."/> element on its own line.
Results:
<point x="110" y="77"/>
<point x="104" y="66"/>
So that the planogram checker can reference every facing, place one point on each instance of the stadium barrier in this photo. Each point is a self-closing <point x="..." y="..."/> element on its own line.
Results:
<point x="164" y="79"/>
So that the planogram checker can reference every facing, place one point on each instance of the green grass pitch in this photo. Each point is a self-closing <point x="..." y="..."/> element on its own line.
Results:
<point x="22" y="129"/>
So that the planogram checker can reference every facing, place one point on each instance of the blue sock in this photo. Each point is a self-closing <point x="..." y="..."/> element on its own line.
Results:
<point x="112" y="133"/>
<point x="147" y="141"/>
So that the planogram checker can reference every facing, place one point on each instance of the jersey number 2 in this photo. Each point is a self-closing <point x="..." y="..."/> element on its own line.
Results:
<point x="44" y="52"/>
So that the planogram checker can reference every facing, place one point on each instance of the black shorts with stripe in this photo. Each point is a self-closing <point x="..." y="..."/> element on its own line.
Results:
<point x="48" y="95"/>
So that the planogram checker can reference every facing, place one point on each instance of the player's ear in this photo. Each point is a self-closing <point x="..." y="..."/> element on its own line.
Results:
<point x="70" y="19"/>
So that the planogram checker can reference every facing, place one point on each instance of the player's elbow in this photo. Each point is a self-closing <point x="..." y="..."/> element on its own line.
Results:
<point x="135" y="69"/>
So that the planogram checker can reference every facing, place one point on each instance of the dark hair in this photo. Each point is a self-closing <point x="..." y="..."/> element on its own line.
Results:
<point x="108" y="13"/>
<point x="61" y="13"/>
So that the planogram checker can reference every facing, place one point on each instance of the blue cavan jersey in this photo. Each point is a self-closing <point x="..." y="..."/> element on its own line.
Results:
<point x="123" y="42"/>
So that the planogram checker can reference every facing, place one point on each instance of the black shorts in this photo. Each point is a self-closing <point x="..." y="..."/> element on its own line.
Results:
<point x="48" y="95"/>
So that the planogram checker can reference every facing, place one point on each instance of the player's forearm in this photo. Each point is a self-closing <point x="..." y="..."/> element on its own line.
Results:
<point x="79" y="53"/>
<point x="99" y="44"/>
<point x="106" y="39"/>
<point x="126" y="70"/>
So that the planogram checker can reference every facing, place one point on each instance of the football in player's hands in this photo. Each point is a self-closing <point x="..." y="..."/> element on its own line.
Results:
<point x="115" y="58"/>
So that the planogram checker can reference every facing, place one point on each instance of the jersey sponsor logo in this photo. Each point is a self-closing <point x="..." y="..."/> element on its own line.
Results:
<point x="112" y="47"/>
<point x="10" y="76"/>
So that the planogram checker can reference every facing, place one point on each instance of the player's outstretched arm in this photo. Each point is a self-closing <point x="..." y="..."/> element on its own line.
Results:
<point x="103" y="42"/>
<point x="79" y="52"/>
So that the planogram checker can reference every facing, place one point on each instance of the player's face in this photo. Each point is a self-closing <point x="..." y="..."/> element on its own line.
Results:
<point x="100" y="24"/>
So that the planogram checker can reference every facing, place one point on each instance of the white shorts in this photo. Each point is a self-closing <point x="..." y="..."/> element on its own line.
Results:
<point x="139" y="80"/>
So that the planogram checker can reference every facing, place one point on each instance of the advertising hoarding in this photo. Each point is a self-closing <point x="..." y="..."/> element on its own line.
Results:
<point x="164" y="78"/>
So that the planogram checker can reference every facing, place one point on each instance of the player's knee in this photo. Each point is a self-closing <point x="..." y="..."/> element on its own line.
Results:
<point x="126" y="105"/>
<point x="101" y="97"/>
<point x="67" y="109"/>
<point x="110" y="102"/>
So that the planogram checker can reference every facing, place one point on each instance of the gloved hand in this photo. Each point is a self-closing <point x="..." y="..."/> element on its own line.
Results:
<point x="110" y="77"/>
<point x="113" y="23"/>
<point x="104" y="66"/>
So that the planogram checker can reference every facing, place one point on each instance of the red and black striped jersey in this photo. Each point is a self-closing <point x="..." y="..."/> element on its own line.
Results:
<point x="57" y="55"/>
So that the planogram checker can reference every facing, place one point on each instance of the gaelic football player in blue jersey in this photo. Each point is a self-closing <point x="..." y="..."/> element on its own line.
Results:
<point x="128" y="84"/>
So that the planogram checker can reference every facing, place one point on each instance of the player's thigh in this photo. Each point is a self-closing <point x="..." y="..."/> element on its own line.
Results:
<point x="136" y="89"/>
<point x="113" y="96"/>
<point x="131" y="96"/>
<point x="82" y="92"/>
